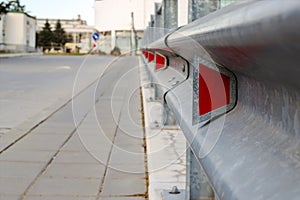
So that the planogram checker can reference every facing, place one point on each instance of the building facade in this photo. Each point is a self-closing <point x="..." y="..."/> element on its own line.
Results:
<point x="77" y="31"/>
<point x="17" y="32"/>
<point x="121" y="22"/>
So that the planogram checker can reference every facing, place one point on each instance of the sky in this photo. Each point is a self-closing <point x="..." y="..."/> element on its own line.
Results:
<point x="59" y="9"/>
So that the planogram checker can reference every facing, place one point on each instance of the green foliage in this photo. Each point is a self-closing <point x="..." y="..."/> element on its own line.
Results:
<point x="59" y="35"/>
<point x="3" y="8"/>
<point x="45" y="37"/>
<point x="48" y="38"/>
<point x="15" y="6"/>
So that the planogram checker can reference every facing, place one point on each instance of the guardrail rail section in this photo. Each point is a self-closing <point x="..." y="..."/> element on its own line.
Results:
<point x="231" y="78"/>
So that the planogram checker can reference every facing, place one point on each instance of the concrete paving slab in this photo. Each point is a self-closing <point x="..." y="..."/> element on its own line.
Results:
<point x="122" y="198"/>
<point x="108" y="131"/>
<point x="26" y="156"/>
<point x="126" y="138"/>
<point x="116" y="174"/>
<point x="14" y="186"/>
<point x="68" y="187"/>
<point x="44" y="129"/>
<point x="131" y="148"/>
<point x="85" y="139"/>
<point x="19" y="169"/>
<point x="132" y="168"/>
<point x="56" y="197"/>
<point x="132" y="187"/>
<point x="78" y="171"/>
<point x="8" y="139"/>
<point x="108" y="135"/>
<point x="74" y="145"/>
<point x="120" y="156"/>
<point x="98" y="147"/>
<point x="53" y="131"/>
<point x="75" y="157"/>
<point x="41" y="142"/>
<point x="61" y="125"/>
<point x="124" y="184"/>
<point x="97" y="129"/>
<point x="10" y="197"/>
<point x="134" y="132"/>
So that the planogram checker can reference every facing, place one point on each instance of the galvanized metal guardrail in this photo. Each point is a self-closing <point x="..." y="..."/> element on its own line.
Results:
<point x="232" y="80"/>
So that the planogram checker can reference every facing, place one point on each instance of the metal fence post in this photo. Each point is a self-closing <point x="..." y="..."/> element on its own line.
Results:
<point x="200" y="8"/>
<point x="197" y="185"/>
<point x="170" y="14"/>
<point x="113" y="39"/>
<point x="168" y="116"/>
<point x="159" y="26"/>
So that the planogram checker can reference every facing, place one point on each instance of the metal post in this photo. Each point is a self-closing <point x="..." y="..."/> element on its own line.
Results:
<point x="197" y="185"/>
<point x="168" y="116"/>
<point x="149" y="32"/>
<point x="152" y="17"/>
<point x="170" y="14"/>
<point x="156" y="93"/>
<point x="133" y="36"/>
<point x="200" y="8"/>
<point x="113" y="39"/>
<point x="158" y="21"/>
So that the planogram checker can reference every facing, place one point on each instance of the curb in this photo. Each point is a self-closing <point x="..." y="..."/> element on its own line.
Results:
<point x="14" y="55"/>
<point x="166" y="148"/>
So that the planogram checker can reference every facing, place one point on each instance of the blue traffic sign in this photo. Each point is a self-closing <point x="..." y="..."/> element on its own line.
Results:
<point x="96" y="36"/>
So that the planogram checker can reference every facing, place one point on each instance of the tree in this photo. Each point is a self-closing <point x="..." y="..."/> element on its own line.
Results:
<point x="11" y="6"/>
<point x="15" y="6"/>
<point x="45" y="37"/>
<point x="3" y="8"/>
<point x="59" y="35"/>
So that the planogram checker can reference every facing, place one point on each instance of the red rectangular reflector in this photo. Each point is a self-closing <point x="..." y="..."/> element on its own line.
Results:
<point x="150" y="56"/>
<point x="214" y="90"/>
<point x="160" y="61"/>
<point x="146" y="54"/>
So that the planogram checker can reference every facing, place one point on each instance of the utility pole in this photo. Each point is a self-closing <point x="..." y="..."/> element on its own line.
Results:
<point x="133" y="36"/>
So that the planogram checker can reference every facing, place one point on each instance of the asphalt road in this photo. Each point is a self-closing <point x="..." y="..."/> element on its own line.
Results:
<point x="29" y="85"/>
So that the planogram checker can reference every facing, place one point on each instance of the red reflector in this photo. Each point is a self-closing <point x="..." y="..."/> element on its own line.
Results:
<point x="160" y="60"/>
<point x="214" y="90"/>
<point x="146" y="54"/>
<point x="150" y="56"/>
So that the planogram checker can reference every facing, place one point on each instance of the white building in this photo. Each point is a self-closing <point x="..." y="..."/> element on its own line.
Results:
<point x="65" y="23"/>
<point x="114" y="21"/>
<point x="2" y="32"/>
<point x="76" y="29"/>
<point x="17" y="32"/>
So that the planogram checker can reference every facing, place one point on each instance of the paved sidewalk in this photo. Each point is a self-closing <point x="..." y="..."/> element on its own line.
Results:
<point x="95" y="146"/>
<point x="100" y="156"/>
<point x="166" y="147"/>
